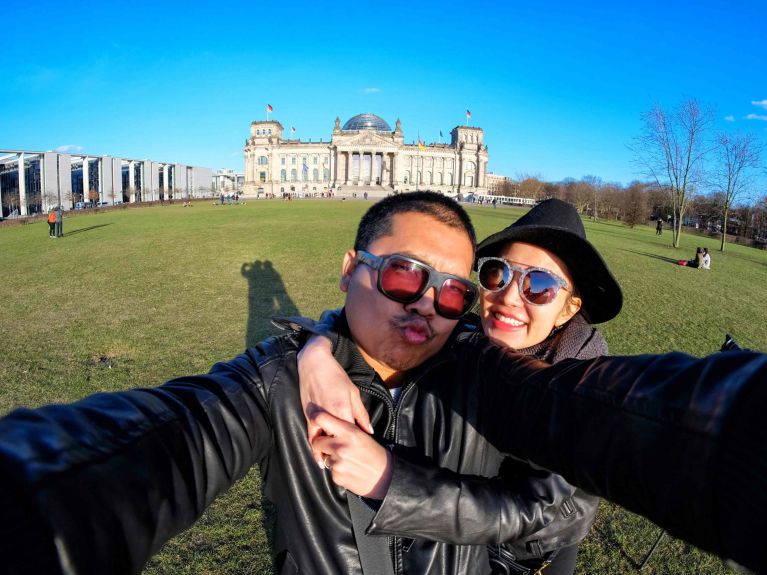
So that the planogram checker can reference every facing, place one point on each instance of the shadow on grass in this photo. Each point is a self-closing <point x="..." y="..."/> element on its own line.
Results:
<point x="89" y="228"/>
<point x="654" y="256"/>
<point x="266" y="297"/>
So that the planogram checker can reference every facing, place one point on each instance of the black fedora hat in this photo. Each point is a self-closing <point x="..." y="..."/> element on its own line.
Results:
<point x="555" y="226"/>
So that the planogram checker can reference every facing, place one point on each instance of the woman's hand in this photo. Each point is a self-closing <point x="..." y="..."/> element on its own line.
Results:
<point x="355" y="460"/>
<point x="325" y="387"/>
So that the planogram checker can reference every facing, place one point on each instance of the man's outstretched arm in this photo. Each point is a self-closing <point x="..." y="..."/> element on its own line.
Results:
<point x="99" y="485"/>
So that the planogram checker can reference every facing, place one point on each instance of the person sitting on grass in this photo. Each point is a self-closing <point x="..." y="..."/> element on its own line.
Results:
<point x="706" y="260"/>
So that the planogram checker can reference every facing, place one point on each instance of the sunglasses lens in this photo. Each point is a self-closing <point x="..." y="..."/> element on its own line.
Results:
<point x="539" y="287"/>
<point x="403" y="280"/>
<point x="494" y="275"/>
<point x="455" y="298"/>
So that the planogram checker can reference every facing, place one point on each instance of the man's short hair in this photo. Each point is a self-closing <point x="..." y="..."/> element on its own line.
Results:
<point x="377" y="220"/>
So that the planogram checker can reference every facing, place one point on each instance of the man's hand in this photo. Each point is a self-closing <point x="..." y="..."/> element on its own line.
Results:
<point x="355" y="460"/>
<point x="325" y="387"/>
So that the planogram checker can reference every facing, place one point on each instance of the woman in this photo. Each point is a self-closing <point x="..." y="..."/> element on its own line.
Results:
<point x="542" y="286"/>
<point x="52" y="223"/>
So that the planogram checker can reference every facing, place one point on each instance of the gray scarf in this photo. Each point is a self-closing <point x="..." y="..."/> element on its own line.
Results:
<point x="576" y="339"/>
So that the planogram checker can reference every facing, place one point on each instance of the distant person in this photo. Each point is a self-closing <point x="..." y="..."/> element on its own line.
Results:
<point x="52" y="223"/>
<point x="222" y="198"/>
<point x="494" y="203"/>
<point x="695" y="262"/>
<point x="59" y="221"/>
<point x="659" y="227"/>
<point x="706" y="260"/>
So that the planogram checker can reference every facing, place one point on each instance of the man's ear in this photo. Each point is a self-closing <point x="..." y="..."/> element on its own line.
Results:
<point x="571" y="307"/>
<point x="349" y="265"/>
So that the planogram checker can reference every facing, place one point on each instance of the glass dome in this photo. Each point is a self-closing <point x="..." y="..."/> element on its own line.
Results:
<point x="367" y="122"/>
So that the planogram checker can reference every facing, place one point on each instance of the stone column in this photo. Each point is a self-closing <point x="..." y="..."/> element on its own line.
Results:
<point x="332" y="174"/>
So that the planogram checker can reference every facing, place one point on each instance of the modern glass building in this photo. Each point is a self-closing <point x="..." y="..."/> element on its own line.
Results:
<point x="32" y="182"/>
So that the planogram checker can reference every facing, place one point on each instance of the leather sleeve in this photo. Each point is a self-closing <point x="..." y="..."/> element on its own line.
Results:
<point x="465" y="509"/>
<point x="654" y="434"/>
<point x="115" y="475"/>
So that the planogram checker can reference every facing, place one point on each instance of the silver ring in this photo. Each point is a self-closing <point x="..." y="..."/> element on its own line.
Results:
<point x="325" y="462"/>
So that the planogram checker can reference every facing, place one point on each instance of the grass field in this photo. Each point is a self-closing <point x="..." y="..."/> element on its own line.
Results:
<point x="133" y="297"/>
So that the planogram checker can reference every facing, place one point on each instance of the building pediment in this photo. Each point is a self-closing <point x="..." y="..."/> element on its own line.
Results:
<point x="366" y="139"/>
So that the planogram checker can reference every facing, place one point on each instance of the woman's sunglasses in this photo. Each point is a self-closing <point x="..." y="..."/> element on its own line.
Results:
<point x="406" y="280"/>
<point x="537" y="286"/>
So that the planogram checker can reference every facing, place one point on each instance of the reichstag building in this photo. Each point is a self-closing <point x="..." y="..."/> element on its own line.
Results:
<point x="363" y="156"/>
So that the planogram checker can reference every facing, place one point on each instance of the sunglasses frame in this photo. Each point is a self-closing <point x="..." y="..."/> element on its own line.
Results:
<point x="435" y="279"/>
<point x="521" y="273"/>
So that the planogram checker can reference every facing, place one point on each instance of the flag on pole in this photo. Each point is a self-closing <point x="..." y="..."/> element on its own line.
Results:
<point x="440" y="134"/>
<point x="305" y="168"/>
<point x="468" y="114"/>
<point x="269" y="108"/>
<point x="292" y="130"/>
<point x="420" y="145"/>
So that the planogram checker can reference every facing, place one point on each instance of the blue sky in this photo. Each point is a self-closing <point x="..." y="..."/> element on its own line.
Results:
<point x="558" y="87"/>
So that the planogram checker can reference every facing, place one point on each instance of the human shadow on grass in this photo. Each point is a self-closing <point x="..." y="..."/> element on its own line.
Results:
<point x="266" y="297"/>
<point x="654" y="256"/>
<point x="89" y="228"/>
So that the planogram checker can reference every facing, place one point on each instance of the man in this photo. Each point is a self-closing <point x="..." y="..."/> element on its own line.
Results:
<point x="59" y="221"/>
<point x="99" y="485"/>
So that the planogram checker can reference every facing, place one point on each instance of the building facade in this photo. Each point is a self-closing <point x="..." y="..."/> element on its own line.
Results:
<point x="33" y="182"/>
<point x="228" y="181"/>
<point x="363" y="156"/>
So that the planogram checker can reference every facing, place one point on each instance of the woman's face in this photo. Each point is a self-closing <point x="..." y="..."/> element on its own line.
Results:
<point x="508" y="320"/>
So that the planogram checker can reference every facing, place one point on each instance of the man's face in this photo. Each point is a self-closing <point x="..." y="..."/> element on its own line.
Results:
<point x="393" y="336"/>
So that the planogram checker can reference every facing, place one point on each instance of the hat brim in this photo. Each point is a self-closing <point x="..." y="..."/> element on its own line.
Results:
<point x="601" y="295"/>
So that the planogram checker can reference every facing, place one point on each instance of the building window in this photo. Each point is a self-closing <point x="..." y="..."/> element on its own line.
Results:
<point x="304" y="174"/>
<point x="450" y="179"/>
<point x="283" y="175"/>
<point x="315" y="174"/>
<point x="428" y="178"/>
<point x="293" y="160"/>
<point x="293" y="175"/>
<point x="262" y="160"/>
<point x="315" y="160"/>
<point x="325" y="175"/>
<point x="262" y="177"/>
<point x="438" y="179"/>
<point x="270" y="131"/>
<point x="258" y="132"/>
<point x="282" y="160"/>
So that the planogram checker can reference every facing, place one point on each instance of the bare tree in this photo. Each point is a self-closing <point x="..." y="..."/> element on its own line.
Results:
<point x="595" y="182"/>
<point x="531" y="186"/>
<point x="93" y="196"/>
<point x="671" y="151"/>
<point x="506" y="188"/>
<point x="635" y="205"/>
<point x="738" y="158"/>
<point x="578" y="193"/>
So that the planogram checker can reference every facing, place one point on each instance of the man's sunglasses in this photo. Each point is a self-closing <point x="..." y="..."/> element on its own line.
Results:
<point x="406" y="280"/>
<point x="537" y="286"/>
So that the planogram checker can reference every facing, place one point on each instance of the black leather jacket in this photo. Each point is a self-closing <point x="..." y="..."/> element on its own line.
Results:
<point x="112" y="477"/>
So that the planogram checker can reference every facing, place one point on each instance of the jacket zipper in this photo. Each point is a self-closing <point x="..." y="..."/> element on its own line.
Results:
<point x="391" y="436"/>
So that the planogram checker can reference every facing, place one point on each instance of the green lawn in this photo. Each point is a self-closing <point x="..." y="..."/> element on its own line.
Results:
<point x="136" y="296"/>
